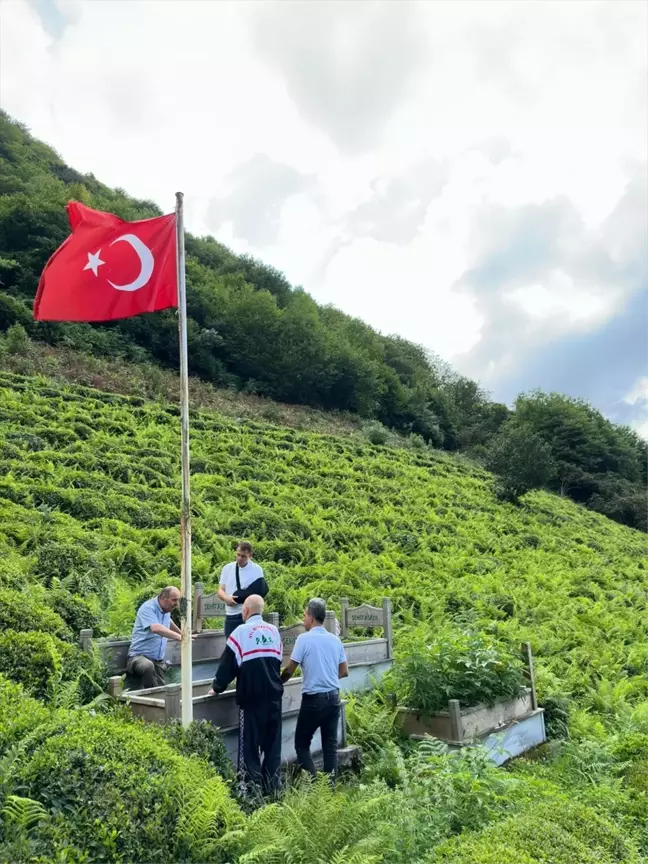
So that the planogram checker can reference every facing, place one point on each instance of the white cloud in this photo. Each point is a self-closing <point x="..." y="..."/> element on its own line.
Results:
<point x="412" y="124"/>
<point x="637" y="397"/>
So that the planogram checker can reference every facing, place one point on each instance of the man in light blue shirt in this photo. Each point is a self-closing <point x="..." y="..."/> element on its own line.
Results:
<point x="153" y="626"/>
<point x="323" y="662"/>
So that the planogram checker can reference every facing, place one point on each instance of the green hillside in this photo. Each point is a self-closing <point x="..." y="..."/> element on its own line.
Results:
<point x="250" y="331"/>
<point x="89" y="499"/>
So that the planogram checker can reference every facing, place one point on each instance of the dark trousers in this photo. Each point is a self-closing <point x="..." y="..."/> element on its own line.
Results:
<point x="145" y="672"/>
<point x="259" y="760"/>
<point x="318" y="711"/>
<point x="231" y="623"/>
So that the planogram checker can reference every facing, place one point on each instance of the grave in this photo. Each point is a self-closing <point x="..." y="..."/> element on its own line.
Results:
<point x="368" y="661"/>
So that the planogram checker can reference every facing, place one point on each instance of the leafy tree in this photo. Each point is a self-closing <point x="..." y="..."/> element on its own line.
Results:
<point x="521" y="459"/>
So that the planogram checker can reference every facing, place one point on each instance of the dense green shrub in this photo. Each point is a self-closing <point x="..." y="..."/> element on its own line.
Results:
<point x="201" y="739"/>
<point x="553" y="832"/>
<point x="38" y="661"/>
<point x="453" y="664"/>
<point x="122" y="789"/>
<point x="32" y="659"/>
<point x="23" y="611"/>
<point x="74" y="610"/>
<point x="521" y="460"/>
<point x="19" y="713"/>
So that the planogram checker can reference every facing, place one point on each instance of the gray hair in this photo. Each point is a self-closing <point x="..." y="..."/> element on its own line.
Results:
<point x="317" y="609"/>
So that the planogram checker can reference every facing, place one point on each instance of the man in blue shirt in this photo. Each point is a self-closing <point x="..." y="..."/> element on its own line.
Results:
<point x="323" y="662"/>
<point x="153" y="626"/>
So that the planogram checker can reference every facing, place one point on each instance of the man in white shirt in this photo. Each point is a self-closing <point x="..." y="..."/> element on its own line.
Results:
<point x="239" y="580"/>
<point x="323" y="662"/>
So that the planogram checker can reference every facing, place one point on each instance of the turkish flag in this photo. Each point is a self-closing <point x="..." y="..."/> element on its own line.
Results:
<point x="108" y="268"/>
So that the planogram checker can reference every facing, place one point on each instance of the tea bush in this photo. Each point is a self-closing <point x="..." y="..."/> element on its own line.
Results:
<point x="37" y="660"/>
<point x="23" y="611"/>
<point x="19" y="713"/>
<point x="120" y="786"/>
<point x="201" y="739"/>
<point x="31" y="659"/>
<point x="74" y="610"/>
<point x="556" y="832"/>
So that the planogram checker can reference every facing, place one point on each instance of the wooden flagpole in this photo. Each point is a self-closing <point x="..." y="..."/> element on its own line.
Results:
<point x="185" y="516"/>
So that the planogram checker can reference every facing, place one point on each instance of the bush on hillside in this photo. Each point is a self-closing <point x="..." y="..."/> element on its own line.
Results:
<point x="70" y="561"/>
<point x="376" y="433"/>
<point x="23" y="611"/>
<point x="553" y="832"/>
<point x="31" y="659"/>
<point x="521" y="460"/>
<point x="74" y="610"/>
<point x="19" y="713"/>
<point x="123" y="790"/>
<point x="453" y="664"/>
<point x="201" y="739"/>
<point x="38" y="661"/>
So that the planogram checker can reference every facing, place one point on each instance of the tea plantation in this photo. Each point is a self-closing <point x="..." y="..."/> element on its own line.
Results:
<point x="89" y="502"/>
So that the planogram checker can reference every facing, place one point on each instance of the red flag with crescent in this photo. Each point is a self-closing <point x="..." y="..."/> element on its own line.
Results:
<point x="108" y="268"/>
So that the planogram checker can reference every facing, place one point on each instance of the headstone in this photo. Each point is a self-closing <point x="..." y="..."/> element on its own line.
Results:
<point x="364" y="616"/>
<point x="289" y="637"/>
<point x="211" y="606"/>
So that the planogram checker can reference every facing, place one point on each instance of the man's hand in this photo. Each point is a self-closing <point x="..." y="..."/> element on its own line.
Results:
<point x="212" y="692"/>
<point x="229" y="600"/>
<point x="288" y="671"/>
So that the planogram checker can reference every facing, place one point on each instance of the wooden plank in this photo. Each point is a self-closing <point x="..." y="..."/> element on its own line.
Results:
<point x="364" y="616"/>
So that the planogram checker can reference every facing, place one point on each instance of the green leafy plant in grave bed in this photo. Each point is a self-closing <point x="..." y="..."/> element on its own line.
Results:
<point x="453" y="664"/>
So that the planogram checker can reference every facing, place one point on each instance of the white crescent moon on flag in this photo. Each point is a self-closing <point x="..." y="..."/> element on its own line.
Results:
<point x="146" y="263"/>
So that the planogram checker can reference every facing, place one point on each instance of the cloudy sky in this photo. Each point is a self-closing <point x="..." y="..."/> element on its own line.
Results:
<point x="471" y="176"/>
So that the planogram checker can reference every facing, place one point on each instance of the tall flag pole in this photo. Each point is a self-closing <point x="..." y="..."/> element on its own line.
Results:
<point x="109" y="269"/>
<point x="185" y="515"/>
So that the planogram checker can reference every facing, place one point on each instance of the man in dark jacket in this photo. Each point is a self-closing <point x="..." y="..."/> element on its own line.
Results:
<point x="253" y="656"/>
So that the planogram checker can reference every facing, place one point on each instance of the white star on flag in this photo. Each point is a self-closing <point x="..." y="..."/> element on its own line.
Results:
<point x="94" y="262"/>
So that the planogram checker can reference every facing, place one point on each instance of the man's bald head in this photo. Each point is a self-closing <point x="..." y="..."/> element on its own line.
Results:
<point x="253" y="606"/>
<point x="168" y="598"/>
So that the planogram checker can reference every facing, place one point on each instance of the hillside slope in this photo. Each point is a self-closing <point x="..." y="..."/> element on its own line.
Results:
<point x="250" y="331"/>
<point x="89" y="504"/>
<point x="90" y="497"/>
